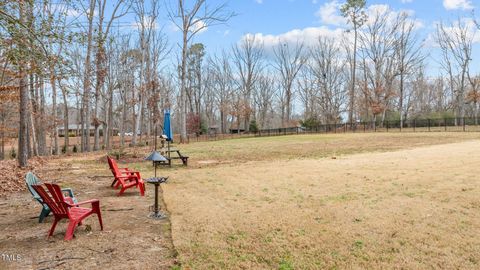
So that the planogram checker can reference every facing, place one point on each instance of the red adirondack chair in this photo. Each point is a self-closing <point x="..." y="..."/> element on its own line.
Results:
<point x="67" y="209"/>
<point x="125" y="178"/>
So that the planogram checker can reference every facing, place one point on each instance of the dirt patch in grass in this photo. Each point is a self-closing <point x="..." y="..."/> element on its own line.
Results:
<point x="130" y="240"/>
<point x="414" y="209"/>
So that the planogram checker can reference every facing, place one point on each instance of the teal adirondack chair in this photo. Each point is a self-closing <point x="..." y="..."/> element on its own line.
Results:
<point x="31" y="179"/>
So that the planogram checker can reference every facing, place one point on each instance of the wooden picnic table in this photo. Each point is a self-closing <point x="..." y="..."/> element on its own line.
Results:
<point x="167" y="153"/>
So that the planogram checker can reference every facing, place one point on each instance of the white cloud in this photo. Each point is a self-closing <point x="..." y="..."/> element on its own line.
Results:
<point x="406" y="1"/>
<point x="329" y="13"/>
<point x="259" y="1"/>
<point x="374" y="10"/>
<point x="67" y="10"/>
<point x="472" y="32"/>
<point x="172" y="27"/>
<point x="457" y="4"/>
<point x="200" y="26"/>
<point x="147" y="22"/>
<point x="309" y="36"/>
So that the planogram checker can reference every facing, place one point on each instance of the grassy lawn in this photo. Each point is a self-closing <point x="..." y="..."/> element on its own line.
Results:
<point x="291" y="202"/>
<point x="276" y="203"/>
<point x="312" y="146"/>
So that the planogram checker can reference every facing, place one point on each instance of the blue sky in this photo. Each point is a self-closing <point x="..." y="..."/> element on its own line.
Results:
<point x="290" y="20"/>
<point x="273" y="19"/>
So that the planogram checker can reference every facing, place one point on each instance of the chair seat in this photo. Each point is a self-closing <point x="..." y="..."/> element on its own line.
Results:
<point x="79" y="212"/>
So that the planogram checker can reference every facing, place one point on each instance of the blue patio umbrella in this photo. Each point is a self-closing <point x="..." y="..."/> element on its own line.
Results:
<point x="167" y="126"/>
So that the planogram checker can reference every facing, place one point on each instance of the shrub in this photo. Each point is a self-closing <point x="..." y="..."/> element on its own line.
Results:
<point x="74" y="149"/>
<point x="311" y="122"/>
<point x="253" y="127"/>
<point x="193" y="123"/>
<point x="64" y="149"/>
<point x="13" y="153"/>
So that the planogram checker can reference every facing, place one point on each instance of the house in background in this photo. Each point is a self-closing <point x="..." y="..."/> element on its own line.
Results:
<point x="74" y="130"/>
<point x="74" y="127"/>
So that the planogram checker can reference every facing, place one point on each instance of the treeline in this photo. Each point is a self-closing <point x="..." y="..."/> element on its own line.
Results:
<point x="76" y="66"/>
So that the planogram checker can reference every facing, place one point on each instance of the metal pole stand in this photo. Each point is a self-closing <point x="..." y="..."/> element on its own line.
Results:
<point x="157" y="214"/>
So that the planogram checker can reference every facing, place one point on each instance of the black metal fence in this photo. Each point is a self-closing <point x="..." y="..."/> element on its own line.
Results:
<point x="466" y="124"/>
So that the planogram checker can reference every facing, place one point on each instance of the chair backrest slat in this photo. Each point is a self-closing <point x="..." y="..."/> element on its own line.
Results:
<point x="57" y="196"/>
<point x="31" y="179"/>
<point x="113" y="166"/>
<point x="47" y="199"/>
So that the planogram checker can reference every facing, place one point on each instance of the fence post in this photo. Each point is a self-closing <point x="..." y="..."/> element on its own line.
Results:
<point x="335" y="127"/>
<point x="414" y="124"/>
<point x="463" y="120"/>
<point x="387" y="125"/>
<point x="445" y="123"/>
<point x="345" y="128"/>
<point x="428" y="121"/>
<point x="364" y="127"/>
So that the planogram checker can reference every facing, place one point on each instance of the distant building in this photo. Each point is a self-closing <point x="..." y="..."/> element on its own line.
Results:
<point x="75" y="130"/>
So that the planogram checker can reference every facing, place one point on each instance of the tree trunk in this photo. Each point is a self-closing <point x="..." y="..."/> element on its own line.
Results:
<point x="100" y="75"/>
<point x="109" y="127"/>
<point x="401" y="101"/>
<point x="40" y="125"/>
<point x="22" y="132"/>
<point x="182" y="107"/>
<point x="65" y="120"/>
<point x="352" y="89"/>
<point x="54" y="112"/>
<point x="86" y="82"/>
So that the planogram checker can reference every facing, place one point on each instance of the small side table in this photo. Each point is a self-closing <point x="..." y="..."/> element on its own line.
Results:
<point x="156" y="214"/>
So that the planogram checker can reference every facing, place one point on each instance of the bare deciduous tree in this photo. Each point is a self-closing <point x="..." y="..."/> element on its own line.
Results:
<point x="456" y="45"/>
<point x="408" y="55"/>
<point x="354" y="10"/>
<point x="248" y="60"/>
<point x="190" y="21"/>
<point x="289" y="62"/>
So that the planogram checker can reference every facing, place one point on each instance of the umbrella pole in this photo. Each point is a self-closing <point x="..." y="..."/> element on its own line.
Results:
<point x="168" y="145"/>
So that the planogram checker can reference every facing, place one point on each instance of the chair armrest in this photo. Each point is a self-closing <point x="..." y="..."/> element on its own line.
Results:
<point x="130" y="172"/>
<point x="80" y="203"/>
<point x="133" y="176"/>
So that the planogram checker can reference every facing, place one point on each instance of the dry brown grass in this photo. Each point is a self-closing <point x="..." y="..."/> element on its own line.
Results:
<point x="312" y="146"/>
<point x="414" y="208"/>
<point x="294" y="202"/>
